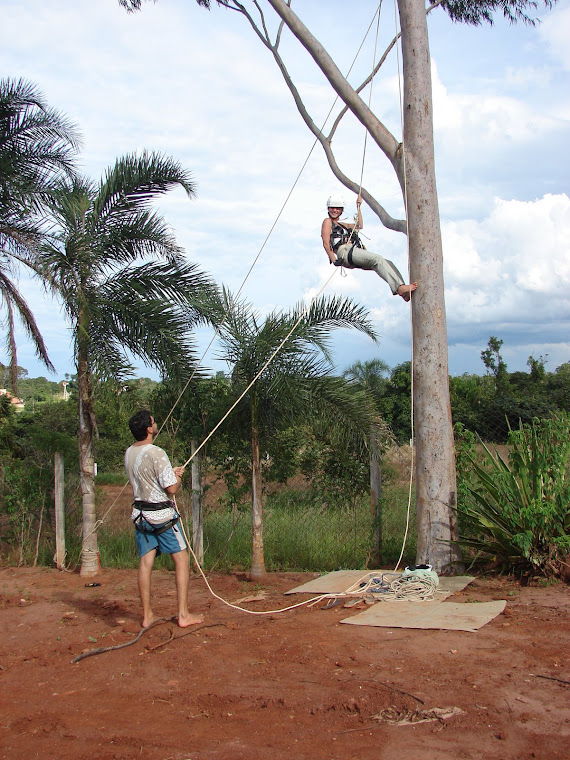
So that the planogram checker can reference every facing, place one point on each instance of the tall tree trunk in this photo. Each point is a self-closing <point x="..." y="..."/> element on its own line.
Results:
<point x="257" y="559"/>
<point x="435" y="457"/>
<point x="89" y="549"/>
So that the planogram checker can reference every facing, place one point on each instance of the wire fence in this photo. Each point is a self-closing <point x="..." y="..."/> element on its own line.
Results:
<point x="301" y="530"/>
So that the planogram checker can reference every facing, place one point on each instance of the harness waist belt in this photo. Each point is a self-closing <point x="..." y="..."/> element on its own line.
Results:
<point x="155" y="530"/>
<point x="149" y="506"/>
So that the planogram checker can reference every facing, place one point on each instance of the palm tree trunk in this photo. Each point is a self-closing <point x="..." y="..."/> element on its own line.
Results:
<point x="257" y="560"/>
<point x="89" y="550"/>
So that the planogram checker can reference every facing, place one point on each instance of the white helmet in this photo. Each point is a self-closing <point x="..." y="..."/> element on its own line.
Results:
<point x="335" y="201"/>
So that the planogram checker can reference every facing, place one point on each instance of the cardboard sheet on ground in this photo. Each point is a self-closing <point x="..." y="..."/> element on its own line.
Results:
<point x="339" y="581"/>
<point x="428" y="615"/>
<point x="448" y="616"/>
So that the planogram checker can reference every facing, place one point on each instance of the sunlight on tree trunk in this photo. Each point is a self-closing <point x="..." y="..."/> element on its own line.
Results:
<point x="435" y="457"/>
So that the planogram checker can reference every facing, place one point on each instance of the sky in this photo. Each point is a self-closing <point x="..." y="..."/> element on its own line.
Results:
<point x="198" y="85"/>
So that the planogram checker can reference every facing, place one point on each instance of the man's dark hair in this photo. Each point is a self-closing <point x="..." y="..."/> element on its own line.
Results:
<point x="139" y="423"/>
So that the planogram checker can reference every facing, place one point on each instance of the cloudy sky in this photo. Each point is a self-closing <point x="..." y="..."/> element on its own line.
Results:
<point x="199" y="86"/>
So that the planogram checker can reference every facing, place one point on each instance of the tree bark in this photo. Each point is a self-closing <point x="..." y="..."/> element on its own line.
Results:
<point x="435" y="456"/>
<point x="89" y="549"/>
<point x="257" y="571"/>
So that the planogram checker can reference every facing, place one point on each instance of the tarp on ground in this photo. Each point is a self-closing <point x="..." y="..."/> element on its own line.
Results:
<point x="449" y="616"/>
<point x="431" y="614"/>
<point x="339" y="581"/>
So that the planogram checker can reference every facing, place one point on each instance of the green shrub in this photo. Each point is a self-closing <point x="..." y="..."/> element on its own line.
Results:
<point x="518" y="511"/>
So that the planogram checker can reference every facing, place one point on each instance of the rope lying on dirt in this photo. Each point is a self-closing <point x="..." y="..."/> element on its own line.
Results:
<point x="158" y="621"/>
<point x="372" y="587"/>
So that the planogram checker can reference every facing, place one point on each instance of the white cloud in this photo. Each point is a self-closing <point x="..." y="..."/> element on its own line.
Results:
<point x="555" y="31"/>
<point x="512" y="268"/>
<point x="464" y="119"/>
<point x="199" y="85"/>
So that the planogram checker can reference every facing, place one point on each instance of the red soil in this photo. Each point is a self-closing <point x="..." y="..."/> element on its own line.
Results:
<point x="296" y="685"/>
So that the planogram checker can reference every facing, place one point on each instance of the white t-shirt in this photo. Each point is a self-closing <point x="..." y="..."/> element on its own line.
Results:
<point x="149" y="472"/>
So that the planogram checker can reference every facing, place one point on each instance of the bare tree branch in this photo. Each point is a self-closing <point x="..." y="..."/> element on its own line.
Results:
<point x="387" y="220"/>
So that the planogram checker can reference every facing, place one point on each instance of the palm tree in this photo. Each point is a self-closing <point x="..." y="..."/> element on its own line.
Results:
<point x="370" y="377"/>
<point x="369" y="374"/>
<point x="37" y="145"/>
<point x="296" y="383"/>
<point x="125" y="287"/>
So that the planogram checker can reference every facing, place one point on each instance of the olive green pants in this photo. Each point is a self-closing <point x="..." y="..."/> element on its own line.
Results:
<point x="363" y="259"/>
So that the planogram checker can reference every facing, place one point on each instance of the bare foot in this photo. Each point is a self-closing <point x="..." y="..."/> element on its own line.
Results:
<point x="188" y="620"/>
<point x="148" y="621"/>
<point x="406" y="290"/>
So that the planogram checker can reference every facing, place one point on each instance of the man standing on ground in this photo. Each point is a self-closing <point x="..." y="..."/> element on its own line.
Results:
<point x="155" y="517"/>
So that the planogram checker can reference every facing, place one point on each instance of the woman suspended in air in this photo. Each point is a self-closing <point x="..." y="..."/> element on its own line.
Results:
<point x="344" y="249"/>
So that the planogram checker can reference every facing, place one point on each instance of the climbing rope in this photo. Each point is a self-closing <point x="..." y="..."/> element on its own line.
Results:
<point x="373" y="587"/>
<point x="412" y="429"/>
<point x="418" y="589"/>
<point x="101" y="521"/>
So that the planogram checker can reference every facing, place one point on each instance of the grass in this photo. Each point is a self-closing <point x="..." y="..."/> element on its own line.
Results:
<point x="111" y="479"/>
<point x="298" y="536"/>
<point x="301" y="536"/>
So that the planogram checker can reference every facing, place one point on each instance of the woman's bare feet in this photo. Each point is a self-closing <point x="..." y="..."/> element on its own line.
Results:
<point x="406" y="290"/>
<point x="188" y="620"/>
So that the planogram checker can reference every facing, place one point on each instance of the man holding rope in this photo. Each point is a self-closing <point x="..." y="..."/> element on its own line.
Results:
<point x="154" y="515"/>
<point x="344" y="249"/>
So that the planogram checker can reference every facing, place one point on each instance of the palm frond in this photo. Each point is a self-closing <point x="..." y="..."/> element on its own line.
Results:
<point x="185" y="285"/>
<point x="13" y="298"/>
<point x="134" y="182"/>
<point x="155" y="331"/>
<point x="139" y="235"/>
<point x="37" y="146"/>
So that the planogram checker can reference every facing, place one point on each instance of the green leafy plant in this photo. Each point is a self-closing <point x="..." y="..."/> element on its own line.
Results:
<point x="519" y="510"/>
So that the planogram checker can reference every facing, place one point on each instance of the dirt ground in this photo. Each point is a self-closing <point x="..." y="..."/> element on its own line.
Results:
<point x="295" y="685"/>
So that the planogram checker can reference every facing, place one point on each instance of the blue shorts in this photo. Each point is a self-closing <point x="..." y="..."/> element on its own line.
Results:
<point x="170" y="542"/>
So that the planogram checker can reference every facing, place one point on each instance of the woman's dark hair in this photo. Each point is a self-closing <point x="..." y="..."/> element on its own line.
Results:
<point x="139" y="423"/>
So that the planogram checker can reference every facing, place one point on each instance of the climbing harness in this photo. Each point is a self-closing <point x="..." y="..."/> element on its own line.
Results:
<point x="148" y="506"/>
<point x="341" y="235"/>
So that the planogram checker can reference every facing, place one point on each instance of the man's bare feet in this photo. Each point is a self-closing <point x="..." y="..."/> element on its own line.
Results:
<point x="148" y="621"/>
<point x="188" y="620"/>
<point x="406" y="290"/>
